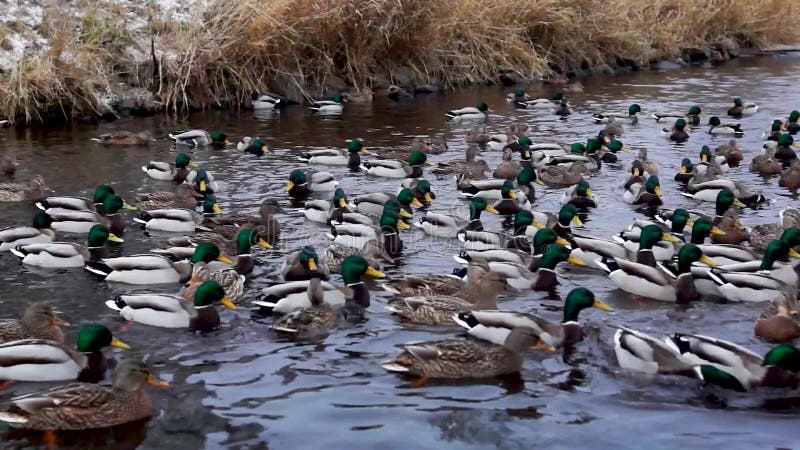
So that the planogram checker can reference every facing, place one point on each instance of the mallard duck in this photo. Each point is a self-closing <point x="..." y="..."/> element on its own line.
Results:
<point x="477" y="135"/>
<point x="437" y="285"/>
<point x="85" y="406"/>
<point x="509" y="203"/>
<point x="255" y="147"/>
<point x="562" y="176"/>
<point x="580" y="196"/>
<point x="38" y="321"/>
<point x="439" y="309"/>
<point x="172" y="220"/>
<point x="286" y="297"/>
<point x="563" y="110"/>
<point x="182" y="198"/>
<point x="29" y="191"/>
<point x="172" y="311"/>
<point x="647" y="192"/>
<point x="774" y="132"/>
<point x="658" y="283"/>
<point x="125" y="138"/>
<point x="495" y="326"/>
<point x="372" y="204"/>
<point x="685" y="172"/>
<point x="67" y="254"/>
<point x="645" y="250"/>
<point x="231" y="280"/>
<point x="300" y="186"/>
<point x="543" y="277"/>
<point x="334" y="157"/>
<point x="165" y="172"/>
<point x="199" y="138"/>
<point x="241" y="246"/>
<point x="514" y="136"/>
<point x="792" y="125"/>
<point x="718" y="127"/>
<point x="709" y="190"/>
<point x="79" y="203"/>
<point x="640" y="352"/>
<point x="304" y="264"/>
<point x="40" y="231"/>
<point x="69" y="221"/>
<point x="766" y="164"/>
<point x="442" y="225"/>
<point x="421" y="188"/>
<point x="790" y="178"/>
<point x="632" y="117"/>
<point x="778" y="322"/>
<point x="332" y="107"/>
<point x="265" y="102"/>
<point x="154" y="269"/>
<point x="508" y="168"/>
<point x="313" y="320"/>
<point x="677" y="132"/>
<point x="741" y="108"/>
<point x="471" y="168"/>
<point x="469" y="113"/>
<point x="202" y="181"/>
<point x="464" y="358"/>
<point x="8" y="162"/>
<point x="647" y="165"/>
<point x="762" y="235"/>
<point x="324" y="211"/>
<point x="525" y="225"/>
<point x="692" y="116"/>
<point x="372" y="251"/>
<point x="734" y="367"/>
<point x="44" y="360"/>
<point x="393" y="168"/>
<point x="521" y="100"/>
<point x="265" y="223"/>
<point x="784" y="152"/>
<point x="608" y="152"/>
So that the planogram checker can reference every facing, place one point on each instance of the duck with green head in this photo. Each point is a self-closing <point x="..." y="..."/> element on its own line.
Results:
<point x="508" y="203"/>
<point x="650" y="244"/>
<point x="305" y="265"/>
<point x="719" y="127"/>
<point x="525" y="179"/>
<point x="685" y="172"/>
<point x="692" y="116"/>
<point x="631" y="117"/>
<point x="544" y="278"/>
<point x="202" y="181"/>
<point x="774" y="132"/>
<point x="372" y="204"/>
<point x="332" y="107"/>
<point x="608" y="152"/>
<point x="40" y="231"/>
<point x="69" y="221"/>
<point x="525" y="102"/>
<point x="171" y="311"/>
<point x="442" y="225"/>
<point x="242" y="245"/>
<point x="43" y="360"/>
<point x="647" y="193"/>
<point x="389" y="223"/>
<point x="742" y="108"/>
<point x="349" y="157"/>
<point x="163" y="171"/>
<point x="678" y="131"/>
<point x="792" y="125"/>
<point x="655" y="283"/>
<point x="77" y="203"/>
<point x="423" y="192"/>
<point x="67" y="254"/>
<point x="326" y="211"/>
<point x="494" y="326"/>
<point x="470" y="113"/>
<point x="394" y="168"/>
<point x="256" y="147"/>
<point x="580" y="196"/>
<point x="784" y="152"/>
<point x="199" y="138"/>
<point x="301" y="185"/>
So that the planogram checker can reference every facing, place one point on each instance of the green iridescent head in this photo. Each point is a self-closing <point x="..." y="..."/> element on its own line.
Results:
<point x="680" y="124"/>
<point x="714" y="121"/>
<point x="246" y="239"/>
<point x="567" y="214"/>
<point x="99" y="235"/>
<point x="112" y="204"/>
<point x="507" y="190"/>
<point x="182" y="161"/>
<point x="210" y="205"/>
<point x="578" y="148"/>
<point x="526" y="176"/>
<point x="544" y="238"/>
<point x="582" y="189"/>
<point x="337" y="98"/>
<point x="218" y="137"/>
<point x="553" y="255"/>
<point x="308" y="257"/>
<point x="417" y="158"/>
<point x="519" y="92"/>
<point x="688" y="254"/>
<point x="207" y="252"/>
<point x="694" y="111"/>
<point x="794" y="116"/>
<point x="339" y="198"/>
<point x="354" y="146"/>
<point x="637" y="169"/>
<point x="42" y="220"/>
<point x="777" y="125"/>
<point x="785" y="356"/>
<point x="482" y="107"/>
<point x="634" y="109"/>
<point x="93" y="338"/>
<point x="354" y="267"/>
<point x="524" y="141"/>
<point x="405" y="197"/>
<point x="101" y="193"/>
<point x="593" y="145"/>
<point x="791" y="236"/>
<point x="686" y="165"/>
<point x="737" y="102"/>
<point x="705" y="154"/>
<point x="652" y="185"/>
<point x="208" y="293"/>
<point x="785" y="140"/>
<point x="579" y="299"/>
<point x="615" y="146"/>
<point x="297" y="178"/>
<point x="680" y="218"/>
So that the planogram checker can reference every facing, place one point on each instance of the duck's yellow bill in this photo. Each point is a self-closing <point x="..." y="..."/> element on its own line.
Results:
<point x="795" y="144"/>
<point x="703" y="158"/>
<point x="216" y="209"/>
<point x="428" y="163"/>
<point x="226" y="302"/>
<point x="737" y="202"/>
<point x="227" y="142"/>
<point x="546" y="347"/>
<point x="403" y="225"/>
<point x="114" y="238"/>
<point x="490" y="209"/>
<point x="707" y="261"/>
<point x="371" y="271"/>
<point x="202" y="186"/>
<point x="289" y="186"/>
<point x="577" y="221"/>
<point x="406" y="214"/>
<point x="342" y="203"/>
<point x="312" y="265"/>
<point x="600" y="305"/>
<point x="153" y="381"/>
<point x="418" y="203"/>
<point x="669" y="238"/>
<point x="690" y="223"/>
<point x="264" y="244"/>
<point x="225" y="259"/>
<point x="717" y="231"/>
<point x="684" y="170"/>
<point x="588" y="192"/>
<point x="539" y="182"/>
<point x="559" y="240"/>
<point x="539" y="225"/>
<point x="119" y="344"/>
<point x="657" y="190"/>
<point x="512" y="195"/>
<point x="793" y="253"/>
<point x="57" y="322"/>
<point x="575" y="260"/>
<point x="128" y="207"/>
<point x="192" y="164"/>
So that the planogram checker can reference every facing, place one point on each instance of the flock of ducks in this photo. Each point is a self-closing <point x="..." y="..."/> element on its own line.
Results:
<point x="676" y="255"/>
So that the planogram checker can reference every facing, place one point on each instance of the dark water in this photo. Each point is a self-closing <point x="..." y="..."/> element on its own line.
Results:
<point x="245" y="387"/>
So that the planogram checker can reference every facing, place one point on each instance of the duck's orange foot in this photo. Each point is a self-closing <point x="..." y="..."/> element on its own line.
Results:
<point x="49" y="439"/>
<point x="419" y="382"/>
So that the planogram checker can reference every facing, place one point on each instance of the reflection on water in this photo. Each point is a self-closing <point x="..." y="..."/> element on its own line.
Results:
<point x="245" y="387"/>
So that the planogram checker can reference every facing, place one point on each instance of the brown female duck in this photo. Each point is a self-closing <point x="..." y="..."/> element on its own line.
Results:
<point x="778" y="322"/>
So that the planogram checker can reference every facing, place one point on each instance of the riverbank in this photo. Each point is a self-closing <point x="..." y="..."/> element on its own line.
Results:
<point x="110" y="57"/>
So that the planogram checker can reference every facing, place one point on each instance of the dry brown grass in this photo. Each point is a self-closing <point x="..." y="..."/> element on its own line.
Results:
<point x="238" y="47"/>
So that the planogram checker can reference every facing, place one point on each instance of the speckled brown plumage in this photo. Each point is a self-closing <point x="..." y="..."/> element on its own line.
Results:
<point x="37" y="322"/>
<point x="183" y="198"/>
<point x="459" y="358"/>
<point x="28" y="191"/>
<point x="776" y="322"/>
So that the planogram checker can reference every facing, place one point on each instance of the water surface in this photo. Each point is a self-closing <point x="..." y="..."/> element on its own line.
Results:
<point x="245" y="387"/>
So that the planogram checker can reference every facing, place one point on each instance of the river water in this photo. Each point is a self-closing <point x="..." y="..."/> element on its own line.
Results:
<point x="245" y="387"/>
